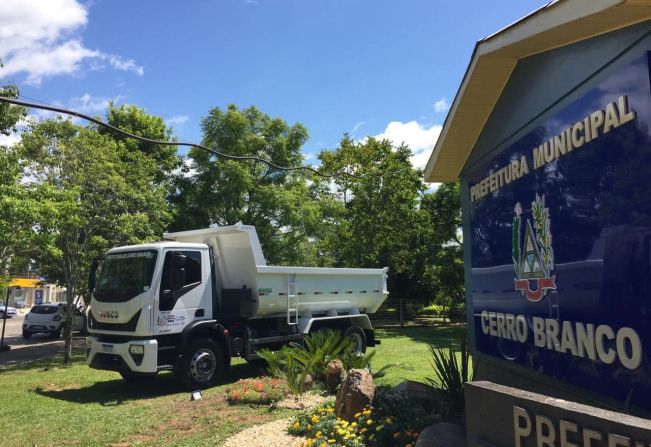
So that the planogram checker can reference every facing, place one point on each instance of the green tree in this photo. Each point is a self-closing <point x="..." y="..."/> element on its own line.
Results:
<point x="17" y="205"/>
<point x="95" y="200"/>
<point x="163" y="159"/>
<point x="445" y="272"/>
<point x="281" y="204"/>
<point x="380" y="224"/>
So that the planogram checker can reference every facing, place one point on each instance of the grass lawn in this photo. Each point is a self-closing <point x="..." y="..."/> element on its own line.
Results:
<point x="45" y="404"/>
<point x="410" y="347"/>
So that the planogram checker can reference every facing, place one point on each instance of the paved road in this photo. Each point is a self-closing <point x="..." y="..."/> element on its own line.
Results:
<point x="26" y="350"/>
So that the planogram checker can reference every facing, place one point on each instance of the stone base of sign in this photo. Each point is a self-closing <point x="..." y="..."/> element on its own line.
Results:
<point x="443" y="434"/>
<point x="504" y="416"/>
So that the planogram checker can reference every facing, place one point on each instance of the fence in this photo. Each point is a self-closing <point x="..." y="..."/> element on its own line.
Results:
<point x="409" y="310"/>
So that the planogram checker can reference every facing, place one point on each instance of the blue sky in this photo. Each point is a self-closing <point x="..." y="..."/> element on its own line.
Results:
<point x="366" y="67"/>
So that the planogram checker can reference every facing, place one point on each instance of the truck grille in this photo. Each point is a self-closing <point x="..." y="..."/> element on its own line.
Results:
<point x="129" y="326"/>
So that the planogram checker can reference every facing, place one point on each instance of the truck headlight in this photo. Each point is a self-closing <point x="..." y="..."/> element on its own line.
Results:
<point x="137" y="349"/>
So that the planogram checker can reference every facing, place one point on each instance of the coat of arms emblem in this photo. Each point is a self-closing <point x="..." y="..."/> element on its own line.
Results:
<point x="533" y="256"/>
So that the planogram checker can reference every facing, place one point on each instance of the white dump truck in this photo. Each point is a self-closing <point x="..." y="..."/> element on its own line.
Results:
<point x="195" y="300"/>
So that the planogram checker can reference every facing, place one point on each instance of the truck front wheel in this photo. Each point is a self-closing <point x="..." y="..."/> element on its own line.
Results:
<point x="203" y="364"/>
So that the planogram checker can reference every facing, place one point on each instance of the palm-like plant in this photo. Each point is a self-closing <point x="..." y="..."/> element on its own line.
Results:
<point x="451" y="373"/>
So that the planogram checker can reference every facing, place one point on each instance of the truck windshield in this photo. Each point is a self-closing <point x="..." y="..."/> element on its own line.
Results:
<point x="125" y="275"/>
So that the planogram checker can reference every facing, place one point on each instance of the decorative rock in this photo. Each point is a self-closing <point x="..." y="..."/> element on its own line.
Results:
<point x="424" y="395"/>
<point x="309" y="381"/>
<point x="335" y="374"/>
<point x="443" y="434"/>
<point x="357" y="391"/>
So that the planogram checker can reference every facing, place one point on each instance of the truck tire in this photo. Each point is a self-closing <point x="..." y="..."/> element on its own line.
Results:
<point x="203" y="364"/>
<point x="358" y="338"/>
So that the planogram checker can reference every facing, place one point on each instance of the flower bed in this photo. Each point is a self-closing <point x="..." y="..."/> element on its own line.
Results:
<point x="390" y="422"/>
<point x="261" y="391"/>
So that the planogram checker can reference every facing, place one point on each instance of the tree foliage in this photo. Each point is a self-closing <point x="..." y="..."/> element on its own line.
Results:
<point x="380" y="223"/>
<point x="280" y="204"/>
<point x="97" y="195"/>
<point x="18" y="208"/>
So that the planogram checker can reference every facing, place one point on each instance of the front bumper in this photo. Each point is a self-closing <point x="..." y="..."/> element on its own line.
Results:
<point x="35" y="328"/>
<point x="116" y="356"/>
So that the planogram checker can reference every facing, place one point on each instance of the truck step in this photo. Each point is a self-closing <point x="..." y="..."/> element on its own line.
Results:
<point x="279" y="339"/>
<point x="166" y="348"/>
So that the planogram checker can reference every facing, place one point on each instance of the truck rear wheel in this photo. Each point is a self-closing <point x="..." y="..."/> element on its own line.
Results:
<point x="203" y="364"/>
<point x="357" y="337"/>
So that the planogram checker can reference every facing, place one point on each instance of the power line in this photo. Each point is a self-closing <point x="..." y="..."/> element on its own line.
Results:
<point x="53" y="108"/>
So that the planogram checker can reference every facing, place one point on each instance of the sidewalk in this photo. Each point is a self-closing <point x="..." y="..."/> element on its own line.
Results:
<point x="29" y="353"/>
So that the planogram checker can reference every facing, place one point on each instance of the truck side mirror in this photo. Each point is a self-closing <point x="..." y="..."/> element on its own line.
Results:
<point x="177" y="272"/>
<point x="92" y="274"/>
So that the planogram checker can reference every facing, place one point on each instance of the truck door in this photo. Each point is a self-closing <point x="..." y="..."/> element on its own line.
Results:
<point x="180" y="297"/>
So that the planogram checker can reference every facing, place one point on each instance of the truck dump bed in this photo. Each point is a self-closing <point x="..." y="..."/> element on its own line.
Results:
<point x="279" y="290"/>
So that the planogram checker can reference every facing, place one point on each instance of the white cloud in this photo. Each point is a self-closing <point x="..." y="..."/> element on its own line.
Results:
<point x="420" y="139"/>
<point x="357" y="126"/>
<point x="177" y="120"/>
<point x="42" y="39"/>
<point x="88" y="103"/>
<point x="442" y="105"/>
<point x="9" y="140"/>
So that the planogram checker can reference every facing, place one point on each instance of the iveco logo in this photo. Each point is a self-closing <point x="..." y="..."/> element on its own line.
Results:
<point x="109" y="314"/>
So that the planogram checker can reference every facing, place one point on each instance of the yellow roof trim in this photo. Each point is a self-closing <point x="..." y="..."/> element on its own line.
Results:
<point x="556" y="24"/>
<point x="25" y="282"/>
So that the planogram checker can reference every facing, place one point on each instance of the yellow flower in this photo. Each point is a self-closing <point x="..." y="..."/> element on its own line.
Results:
<point x="366" y="412"/>
<point x="309" y="426"/>
<point x="324" y="445"/>
<point x="363" y="430"/>
<point x="408" y="445"/>
<point x="308" y="443"/>
<point x="296" y="425"/>
<point x="341" y="431"/>
<point x="354" y="424"/>
<point x="317" y="435"/>
<point x="331" y="410"/>
<point x="369" y="422"/>
<point x="315" y="419"/>
<point x="379" y="427"/>
<point x="357" y="415"/>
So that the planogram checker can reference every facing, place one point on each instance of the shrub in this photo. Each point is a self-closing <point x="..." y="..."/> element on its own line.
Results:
<point x="450" y="374"/>
<point x="261" y="391"/>
<point x="294" y="362"/>
<point x="390" y="422"/>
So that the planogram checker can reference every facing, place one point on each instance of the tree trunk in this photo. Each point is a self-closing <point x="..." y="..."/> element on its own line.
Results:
<point x="67" y="330"/>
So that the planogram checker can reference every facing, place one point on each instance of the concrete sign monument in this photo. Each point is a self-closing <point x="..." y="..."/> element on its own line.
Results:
<point x="550" y="138"/>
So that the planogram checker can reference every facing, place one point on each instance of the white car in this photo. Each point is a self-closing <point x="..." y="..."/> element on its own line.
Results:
<point x="11" y="311"/>
<point x="50" y="319"/>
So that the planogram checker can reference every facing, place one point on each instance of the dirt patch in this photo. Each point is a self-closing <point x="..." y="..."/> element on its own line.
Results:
<point x="270" y="434"/>
<point x="53" y="387"/>
<point x="302" y="402"/>
<point x="194" y="418"/>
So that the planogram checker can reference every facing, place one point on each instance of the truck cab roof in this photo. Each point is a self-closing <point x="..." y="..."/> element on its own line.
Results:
<point x="158" y="245"/>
